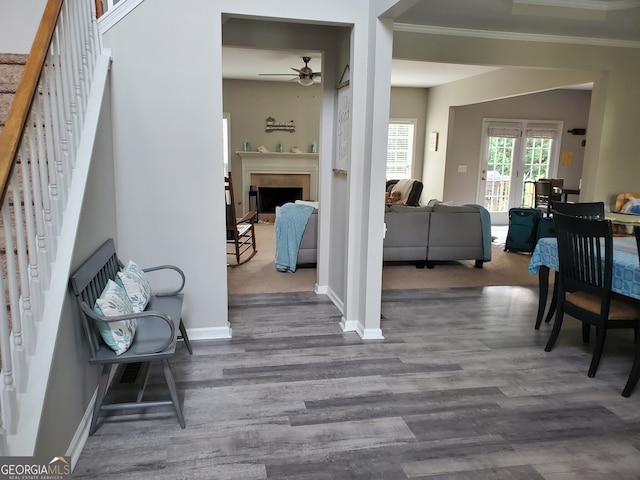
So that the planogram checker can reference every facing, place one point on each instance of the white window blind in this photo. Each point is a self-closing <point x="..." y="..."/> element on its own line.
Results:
<point x="542" y="130"/>
<point x="400" y="149"/>
<point x="503" y="130"/>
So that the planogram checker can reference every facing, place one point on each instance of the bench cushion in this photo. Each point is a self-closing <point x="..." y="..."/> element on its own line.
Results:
<point x="136" y="284"/>
<point x="114" y="301"/>
<point x="151" y="333"/>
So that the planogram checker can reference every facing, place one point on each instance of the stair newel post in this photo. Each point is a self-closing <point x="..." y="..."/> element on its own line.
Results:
<point x="19" y="358"/>
<point x="28" y="327"/>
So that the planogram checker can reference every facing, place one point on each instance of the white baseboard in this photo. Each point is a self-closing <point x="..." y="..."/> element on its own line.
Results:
<point x="369" y="333"/>
<point x="210" y="333"/>
<point x="82" y="434"/>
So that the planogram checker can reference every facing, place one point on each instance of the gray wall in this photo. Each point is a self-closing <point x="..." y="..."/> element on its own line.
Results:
<point x="569" y="106"/>
<point x="412" y="103"/>
<point x="19" y="20"/>
<point x="250" y="103"/>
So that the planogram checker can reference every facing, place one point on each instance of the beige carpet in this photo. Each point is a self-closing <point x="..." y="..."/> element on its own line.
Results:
<point x="259" y="274"/>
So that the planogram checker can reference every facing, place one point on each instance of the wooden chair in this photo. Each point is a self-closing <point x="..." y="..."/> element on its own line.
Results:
<point x="542" y="196"/>
<point x="241" y="237"/>
<point x="634" y="375"/>
<point x="592" y="210"/>
<point x="585" y="259"/>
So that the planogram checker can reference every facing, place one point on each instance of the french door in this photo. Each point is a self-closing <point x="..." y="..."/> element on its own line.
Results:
<point x="515" y="153"/>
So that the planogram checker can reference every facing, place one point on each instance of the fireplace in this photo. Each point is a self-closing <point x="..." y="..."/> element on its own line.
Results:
<point x="271" y="197"/>
<point x="283" y="170"/>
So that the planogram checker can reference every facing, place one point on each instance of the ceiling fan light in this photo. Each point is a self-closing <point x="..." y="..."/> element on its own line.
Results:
<point x="305" y="81"/>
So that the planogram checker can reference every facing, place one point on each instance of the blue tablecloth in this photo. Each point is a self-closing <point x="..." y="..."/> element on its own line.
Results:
<point x="626" y="268"/>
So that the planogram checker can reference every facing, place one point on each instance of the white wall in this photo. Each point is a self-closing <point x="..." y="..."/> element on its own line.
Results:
<point x="19" y="20"/>
<point x="167" y="113"/>
<point x="610" y="162"/>
<point x="412" y="103"/>
<point x="569" y="106"/>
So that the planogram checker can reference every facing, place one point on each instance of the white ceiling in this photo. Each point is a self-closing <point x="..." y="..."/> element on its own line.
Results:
<point x="600" y="22"/>
<point x="248" y="64"/>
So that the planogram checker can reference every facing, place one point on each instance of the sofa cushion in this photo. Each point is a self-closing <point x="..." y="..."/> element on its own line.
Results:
<point x="406" y="209"/>
<point x="442" y="208"/>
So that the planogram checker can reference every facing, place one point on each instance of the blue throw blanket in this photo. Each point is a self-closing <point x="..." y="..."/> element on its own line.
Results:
<point x="485" y="221"/>
<point x="290" y="224"/>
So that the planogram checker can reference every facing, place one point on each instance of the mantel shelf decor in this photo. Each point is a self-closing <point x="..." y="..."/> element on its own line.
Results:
<point x="273" y="126"/>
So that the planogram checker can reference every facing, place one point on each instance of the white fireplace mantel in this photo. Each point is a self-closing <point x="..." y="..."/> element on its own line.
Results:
<point x="279" y="163"/>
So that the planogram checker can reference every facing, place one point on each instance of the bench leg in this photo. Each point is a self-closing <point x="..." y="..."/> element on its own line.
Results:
<point x="102" y="391"/>
<point x="172" y="390"/>
<point x="185" y="337"/>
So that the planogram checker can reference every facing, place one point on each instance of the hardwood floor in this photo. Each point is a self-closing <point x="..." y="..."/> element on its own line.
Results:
<point x="460" y="388"/>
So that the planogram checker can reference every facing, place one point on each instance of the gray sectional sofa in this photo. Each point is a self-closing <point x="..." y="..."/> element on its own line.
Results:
<point x="424" y="235"/>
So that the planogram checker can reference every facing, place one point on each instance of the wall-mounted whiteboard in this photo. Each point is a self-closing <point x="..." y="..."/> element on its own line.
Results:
<point x="343" y="144"/>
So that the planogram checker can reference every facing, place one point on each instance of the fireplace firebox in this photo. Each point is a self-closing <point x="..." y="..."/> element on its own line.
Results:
<point x="271" y="197"/>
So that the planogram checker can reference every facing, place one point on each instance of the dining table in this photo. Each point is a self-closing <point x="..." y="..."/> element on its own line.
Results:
<point x="626" y="270"/>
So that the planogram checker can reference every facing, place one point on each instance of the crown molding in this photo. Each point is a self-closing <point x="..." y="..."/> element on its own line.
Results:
<point x="523" y="37"/>
<point x="601" y="5"/>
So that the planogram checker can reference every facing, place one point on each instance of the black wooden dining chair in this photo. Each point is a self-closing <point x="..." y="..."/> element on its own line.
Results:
<point x="542" y="196"/>
<point x="585" y="260"/>
<point x="634" y="375"/>
<point x="582" y="210"/>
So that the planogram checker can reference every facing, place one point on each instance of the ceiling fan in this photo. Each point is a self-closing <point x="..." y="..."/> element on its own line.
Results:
<point x="305" y="74"/>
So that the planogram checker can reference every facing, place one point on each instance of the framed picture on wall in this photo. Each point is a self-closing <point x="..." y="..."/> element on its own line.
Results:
<point x="343" y="128"/>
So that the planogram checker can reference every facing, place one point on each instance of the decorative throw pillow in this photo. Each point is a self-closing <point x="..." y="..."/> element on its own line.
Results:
<point x="632" y="206"/>
<point x="136" y="284"/>
<point x="114" y="301"/>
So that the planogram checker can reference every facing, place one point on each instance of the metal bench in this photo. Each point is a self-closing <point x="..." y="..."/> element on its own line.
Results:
<point x="155" y="338"/>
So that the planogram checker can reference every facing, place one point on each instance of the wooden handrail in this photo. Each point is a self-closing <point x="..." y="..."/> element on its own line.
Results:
<point x="19" y="113"/>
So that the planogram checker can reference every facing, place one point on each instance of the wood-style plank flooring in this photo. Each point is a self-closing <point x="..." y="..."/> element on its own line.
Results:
<point x="460" y="388"/>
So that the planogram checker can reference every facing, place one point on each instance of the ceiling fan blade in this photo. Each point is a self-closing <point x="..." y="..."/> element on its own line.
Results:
<point x="297" y="70"/>
<point x="278" y="74"/>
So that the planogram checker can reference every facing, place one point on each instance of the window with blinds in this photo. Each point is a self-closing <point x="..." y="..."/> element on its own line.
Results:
<point x="400" y="149"/>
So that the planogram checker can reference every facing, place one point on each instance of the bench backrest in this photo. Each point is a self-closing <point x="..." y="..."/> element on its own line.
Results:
<point x="88" y="281"/>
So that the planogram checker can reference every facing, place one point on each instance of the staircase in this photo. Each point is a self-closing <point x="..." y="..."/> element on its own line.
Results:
<point x="11" y="67"/>
<point x="46" y="145"/>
